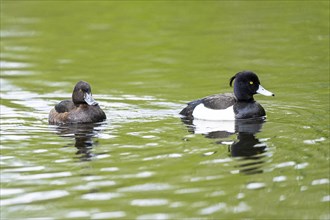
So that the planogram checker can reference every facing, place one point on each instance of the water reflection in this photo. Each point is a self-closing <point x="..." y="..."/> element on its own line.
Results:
<point x="83" y="135"/>
<point x="246" y="147"/>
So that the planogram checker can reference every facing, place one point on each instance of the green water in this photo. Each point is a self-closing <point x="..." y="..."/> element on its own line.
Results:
<point x="145" y="60"/>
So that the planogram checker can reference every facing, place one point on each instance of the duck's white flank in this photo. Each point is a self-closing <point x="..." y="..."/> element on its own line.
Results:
<point x="202" y="112"/>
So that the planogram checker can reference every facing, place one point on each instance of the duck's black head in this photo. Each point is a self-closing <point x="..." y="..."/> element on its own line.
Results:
<point x="246" y="85"/>
<point x="82" y="94"/>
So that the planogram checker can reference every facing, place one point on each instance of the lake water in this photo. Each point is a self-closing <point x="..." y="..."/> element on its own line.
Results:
<point x="144" y="61"/>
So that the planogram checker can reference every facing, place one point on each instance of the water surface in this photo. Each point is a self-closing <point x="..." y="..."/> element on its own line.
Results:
<point x="144" y="61"/>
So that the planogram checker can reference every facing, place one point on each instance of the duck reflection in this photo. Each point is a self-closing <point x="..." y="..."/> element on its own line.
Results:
<point x="247" y="149"/>
<point x="83" y="135"/>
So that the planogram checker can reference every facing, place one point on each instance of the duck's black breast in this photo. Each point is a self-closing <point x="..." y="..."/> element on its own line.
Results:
<point x="245" y="110"/>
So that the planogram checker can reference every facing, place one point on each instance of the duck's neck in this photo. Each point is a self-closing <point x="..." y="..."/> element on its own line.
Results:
<point x="243" y="97"/>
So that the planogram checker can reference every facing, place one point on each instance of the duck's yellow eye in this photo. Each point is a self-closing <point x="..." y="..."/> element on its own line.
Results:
<point x="251" y="83"/>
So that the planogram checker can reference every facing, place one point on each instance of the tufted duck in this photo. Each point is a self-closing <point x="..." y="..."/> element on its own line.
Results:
<point x="82" y="109"/>
<point x="228" y="106"/>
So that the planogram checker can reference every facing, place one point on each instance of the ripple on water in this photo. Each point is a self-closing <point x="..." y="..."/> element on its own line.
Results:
<point x="279" y="179"/>
<point x="108" y="215"/>
<point x="13" y="65"/>
<point x="143" y="174"/>
<point x="320" y="181"/>
<point x="188" y="191"/>
<point x="285" y="164"/>
<point x="156" y="216"/>
<point x="241" y="207"/>
<point x="174" y="155"/>
<point x="146" y="187"/>
<point x="256" y="185"/>
<point x="102" y="156"/>
<point x="213" y="208"/>
<point x="35" y="197"/>
<point x="77" y="214"/>
<point x="301" y="166"/>
<point x="326" y="198"/>
<point x="149" y="202"/>
<point x="219" y="160"/>
<point x="314" y="141"/>
<point x="44" y="176"/>
<point x="10" y="191"/>
<point x="101" y="183"/>
<point x="25" y="169"/>
<point x="101" y="196"/>
<point x="109" y="169"/>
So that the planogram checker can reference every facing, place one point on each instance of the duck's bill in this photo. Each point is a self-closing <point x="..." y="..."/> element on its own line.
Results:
<point x="89" y="99"/>
<point x="261" y="90"/>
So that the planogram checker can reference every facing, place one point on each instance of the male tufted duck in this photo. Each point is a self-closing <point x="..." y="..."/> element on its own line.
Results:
<point x="228" y="106"/>
<point x="82" y="109"/>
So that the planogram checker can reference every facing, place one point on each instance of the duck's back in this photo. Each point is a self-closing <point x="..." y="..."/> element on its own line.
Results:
<point x="64" y="106"/>
<point x="219" y="101"/>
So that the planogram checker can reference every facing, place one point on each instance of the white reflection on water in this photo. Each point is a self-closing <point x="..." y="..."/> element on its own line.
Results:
<point x="13" y="33"/>
<point x="16" y="72"/>
<point x="204" y="178"/>
<point x="101" y="183"/>
<point x="188" y="191"/>
<point x="40" y="151"/>
<point x="301" y="166"/>
<point x="10" y="191"/>
<point x="108" y="215"/>
<point x="143" y="174"/>
<point x="157" y="216"/>
<point x="320" y="181"/>
<point x="25" y="169"/>
<point x="326" y="198"/>
<point x="241" y="207"/>
<point x="14" y="65"/>
<point x="101" y="196"/>
<point x="109" y="169"/>
<point x="285" y="164"/>
<point x="279" y="178"/>
<point x="34" y="197"/>
<point x="44" y="176"/>
<point x="212" y="209"/>
<point x="255" y="185"/>
<point x="146" y="187"/>
<point x="149" y="202"/>
<point x="77" y="214"/>
<point x="174" y="155"/>
<point x="317" y="140"/>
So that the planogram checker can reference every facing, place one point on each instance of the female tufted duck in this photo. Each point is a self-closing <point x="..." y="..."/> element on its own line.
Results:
<point x="82" y="109"/>
<point x="228" y="106"/>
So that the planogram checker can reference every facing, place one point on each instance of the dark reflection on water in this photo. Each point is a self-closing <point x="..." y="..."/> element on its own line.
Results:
<point x="84" y="136"/>
<point x="246" y="147"/>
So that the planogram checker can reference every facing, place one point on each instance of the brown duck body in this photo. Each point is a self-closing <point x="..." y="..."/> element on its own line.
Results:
<point x="83" y="113"/>
<point x="82" y="109"/>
